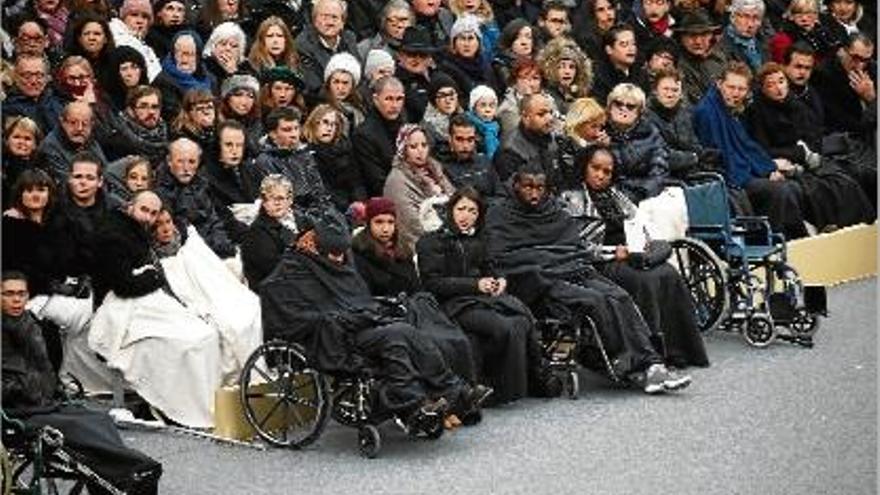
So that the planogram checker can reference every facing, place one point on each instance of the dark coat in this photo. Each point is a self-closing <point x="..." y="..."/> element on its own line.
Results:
<point x="172" y="92"/>
<point x="299" y="167"/>
<point x="56" y="152"/>
<point x="641" y="160"/>
<point x="339" y="172"/>
<point x="698" y="74"/>
<point x="467" y="73"/>
<point x="364" y="17"/>
<point x="606" y="76"/>
<point x="438" y="26"/>
<point x="228" y="186"/>
<point x="71" y="236"/>
<point x="844" y="111"/>
<point x="126" y="247"/>
<point x="374" y="141"/>
<point x="44" y="110"/>
<point x="26" y="249"/>
<point x="29" y="380"/>
<point x="314" y="56"/>
<point x="192" y="204"/>
<point x="451" y="263"/>
<point x="523" y="147"/>
<point x="677" y="129"/>
<point x="417" y="89"/>
<point x="385" y="275"/>
<point x="477" y="172"/>
<point x="126" y="137"/>
<point x="777" y="126"/>
<point x="262" y="246"/>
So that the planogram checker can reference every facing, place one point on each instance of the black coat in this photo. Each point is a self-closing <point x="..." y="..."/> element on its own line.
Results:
<point x="126" y="247"/>
<point x="606" y="76"/>
<point x="386" y="276"/>
<point x="262" y="246"/>
<point x="641" y="160"/>
<point x="677" y="129"/>
<point x="477" y="172"/>
<point x="844" y="111"/>
<point x="71" y="237"/>
<point x="467" y="73"/>
<point x="314" y="56"/>
<point x="29" y="380"/>
<point x="192" y="204"/>
<point x="299" y="167"/>
<point x="417" y="90"/>
<point x="339" y="172"/>
<point x="374" y="141"/>
<point x="451" y="263"/>
<point x="778" y="126"/>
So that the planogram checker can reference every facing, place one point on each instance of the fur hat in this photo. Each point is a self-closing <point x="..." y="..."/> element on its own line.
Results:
<point x="239" y="81"/>
<point x="480" y="92"/>
<point x="346" y="62"/>
<point x="135" y="6"/>
<point x="380" y="205"/>
<point x="467" y="23"/>
<point x="375" y="60"/>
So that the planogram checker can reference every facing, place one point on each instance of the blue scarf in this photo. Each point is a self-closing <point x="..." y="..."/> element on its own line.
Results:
<point x="748" y="47"/>
<point x="183" y="80"/>
<point x="716" y="127"/>
<point x="489" y="131"/>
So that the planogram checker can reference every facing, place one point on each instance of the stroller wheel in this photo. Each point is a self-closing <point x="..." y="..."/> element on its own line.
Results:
<point x="369" y="441"/>
<point x="759" y="330"/>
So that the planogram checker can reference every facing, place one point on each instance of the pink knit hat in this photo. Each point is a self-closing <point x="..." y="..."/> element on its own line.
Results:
<point x="135" y="6"/>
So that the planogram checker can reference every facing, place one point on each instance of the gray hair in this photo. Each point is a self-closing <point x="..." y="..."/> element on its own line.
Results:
<point x="741" y="5"/>
<point x="342" y="4"/>
<point x="224" y="31"/>
<point x="627" y="92"/>
<point x="275" y="181"/>
<point x="181" y="144"/>
<point x="393" y="5"/>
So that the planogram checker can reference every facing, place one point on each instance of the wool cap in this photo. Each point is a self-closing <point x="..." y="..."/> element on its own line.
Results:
<point x="380" y="205"/>
<point x="345" y="62"/>
<point x="239" y="81"/>
<point x="480" y="92"/>
<point x="467" y="23"/>
<point x="377" y="59"/>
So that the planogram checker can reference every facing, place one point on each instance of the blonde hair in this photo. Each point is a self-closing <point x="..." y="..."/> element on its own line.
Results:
<point x="812" y="5"/>
<point x="484" y="10"/>
<point x="627" y="92"/>
<point x="259" y="56"/>
<point x="22" y="122"/>
<point x="72" y="61"/>
<point x="580" y="112"/>
<point x="275" y="181"/>
<point x="310" y="128"/>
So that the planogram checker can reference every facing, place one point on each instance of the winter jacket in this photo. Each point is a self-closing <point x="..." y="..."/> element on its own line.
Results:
<point x="314" y="56"/>
<point x="128" y="266"/>
<point x="384" y="274"/>
<point x="477" y="172"/>
<point x="698" y="74"/>
<point x="641" y="160"/>
<point x="374" y="141"/>
<point x="339" y="172"/>
<point x="450" y="263"/>
<point x="56" y="153"/>
<point x="299" y="167"/>
<point x="44" y="110"/>
<point x="262" y="246"/>
<point x="416" y="87"/>
<point x="525" y="147"/>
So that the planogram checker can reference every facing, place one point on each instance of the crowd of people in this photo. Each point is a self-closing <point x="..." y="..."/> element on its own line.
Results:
<point x="185" y="179"/>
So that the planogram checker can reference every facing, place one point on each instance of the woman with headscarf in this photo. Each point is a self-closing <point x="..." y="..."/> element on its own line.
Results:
<point x="415" y="182"/>
<point x="182" y="70"/>
<point x="127" y="69"/>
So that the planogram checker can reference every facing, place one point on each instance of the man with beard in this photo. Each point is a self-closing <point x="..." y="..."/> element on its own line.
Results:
<point x="139" y="129"/>
<point x="466" y="166"/>
<point x="537" y="246"/>
<point x="165" y="352"/>
<point x="619" y="62"/>
<point x="73" y="136"/>
<point x="374" y="139"/>
<point x="701" y="60"/>
<point x="317" y="298"/>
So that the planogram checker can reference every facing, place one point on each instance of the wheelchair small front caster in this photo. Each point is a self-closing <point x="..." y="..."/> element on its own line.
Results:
<point x="472" y="418"/>
<point x="369" y="441"/>
<point x="759" y="330"/>
<point x="574" y="385"/>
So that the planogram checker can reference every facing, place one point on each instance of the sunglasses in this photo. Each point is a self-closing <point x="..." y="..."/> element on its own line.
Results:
<point x="632" y="107"/>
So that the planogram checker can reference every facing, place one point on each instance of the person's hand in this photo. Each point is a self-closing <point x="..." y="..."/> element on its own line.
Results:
<point x="486" y="285"/>
<point x="88" y="95"/>
<point x="621" y="253"/>
<point x="308" y="242"/>
<point x="602" y="138"/>
<point x="862" y="84"/>
<point x="226" y="61"/>
<point x="783" y="164"/>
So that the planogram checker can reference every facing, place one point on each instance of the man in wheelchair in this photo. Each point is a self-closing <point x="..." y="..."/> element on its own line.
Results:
<point x="538" y="247"/>
<point x="91" y="447"/>
<point x="315" y="297"/>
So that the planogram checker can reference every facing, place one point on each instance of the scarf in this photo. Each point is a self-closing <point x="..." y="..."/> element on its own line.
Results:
<point x="183" y="80"/>
<point x="156" y="135"/>
<point x="489" y="131"/>
<point x="748" y="47"/>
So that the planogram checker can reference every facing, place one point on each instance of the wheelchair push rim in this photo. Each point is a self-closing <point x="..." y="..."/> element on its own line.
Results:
<point x="706" y="279"/>
<point x="285" y="401"/>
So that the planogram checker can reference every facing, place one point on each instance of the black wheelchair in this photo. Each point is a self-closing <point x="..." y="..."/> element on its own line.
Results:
<point x="288" y="402"/>
<point x="736" y="270"/>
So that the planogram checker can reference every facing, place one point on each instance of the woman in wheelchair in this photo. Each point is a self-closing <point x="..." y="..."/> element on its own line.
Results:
<point x="537" y="245"/>
<point x="655" y="286"/>
<point x="454" y="265"/>
<point x="315" y="297"/>
<point x="92" y="449"/>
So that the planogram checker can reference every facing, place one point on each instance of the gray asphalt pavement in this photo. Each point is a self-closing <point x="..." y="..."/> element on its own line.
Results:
<point x="781" y="420"/>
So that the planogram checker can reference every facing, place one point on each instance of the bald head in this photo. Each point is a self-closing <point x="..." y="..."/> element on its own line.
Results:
<point x="144" y="208"/>
<point x="537" y="113"/>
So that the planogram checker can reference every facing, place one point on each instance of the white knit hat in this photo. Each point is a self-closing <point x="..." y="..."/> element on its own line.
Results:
<point x="239" y="81"/>
<point x="377" y="59"/>
<point x="467" y="23"/>
<point x="345" y="62"/>
<point x="480" y="92"/>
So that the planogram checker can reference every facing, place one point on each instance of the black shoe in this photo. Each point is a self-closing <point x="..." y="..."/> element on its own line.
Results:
<point x="472" y="398"/>
<point x="425" y="419"/>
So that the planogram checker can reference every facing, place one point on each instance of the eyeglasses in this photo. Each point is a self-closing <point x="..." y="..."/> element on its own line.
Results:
<point x="859" y="58"/>
<point x="30" y="76"/>
<point x="632" y="107"/>
<point x="30" y="38"/>
<point x="79" y="78"/>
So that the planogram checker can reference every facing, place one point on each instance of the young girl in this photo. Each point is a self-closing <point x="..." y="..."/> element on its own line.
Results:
<point x="483" y="108"/>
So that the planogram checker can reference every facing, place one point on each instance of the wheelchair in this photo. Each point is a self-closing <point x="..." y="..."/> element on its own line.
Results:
<point x="737" y="273"/>
<point x="288" y="402"/>
<point x="35" y="462"/>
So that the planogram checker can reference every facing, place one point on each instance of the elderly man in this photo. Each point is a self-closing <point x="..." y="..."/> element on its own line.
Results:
<point x="139" y="129"/>
<point x="701" y="60"/>
<point x="31" y="96"/>
<point x="532" y="142"/>
<point x="536" y="245"/>
<point x="186" y="194"/>
<point x="323" y="38"/>
<point x="73" y="136"/>
<point x="375" y="138"/>
<point x="167" y="354"/>
<point x="744" y="39"/>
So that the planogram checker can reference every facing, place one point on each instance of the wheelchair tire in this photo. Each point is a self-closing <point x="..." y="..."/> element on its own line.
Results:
<point x="574" y="385"/>
<point x="370" y="441"/>
<point x="285" y="400"/>
<point x="705" y="275"/>
<point x="759" y="330"/>
<point x="5" y="472"/>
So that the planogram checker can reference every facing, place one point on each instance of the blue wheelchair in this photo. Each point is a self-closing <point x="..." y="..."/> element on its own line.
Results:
<point x="737" y="272"/>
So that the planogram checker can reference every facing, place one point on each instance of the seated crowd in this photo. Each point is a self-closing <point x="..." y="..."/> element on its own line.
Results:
<point x="186" y="179"/>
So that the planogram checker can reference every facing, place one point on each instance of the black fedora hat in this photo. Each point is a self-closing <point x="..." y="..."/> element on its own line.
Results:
<point x="417" y="39"/>
<point x="696" y="21"/>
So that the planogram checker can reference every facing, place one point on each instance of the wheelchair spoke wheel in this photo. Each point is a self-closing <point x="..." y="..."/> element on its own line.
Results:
<point x="759" y="330"/>
<point x="804" y="324"/>
<point x="706" y="278"/>
<point x="284" y="400"/>
<point x="369" y="441"/>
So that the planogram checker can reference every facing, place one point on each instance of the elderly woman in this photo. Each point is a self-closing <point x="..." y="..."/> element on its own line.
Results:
<point x="659" y="291"/>
<point x="331" y="149"/>
<point x="272" y="232"/>
<point x="455" y="266"/>
<point x="415" y="181"/>
<point x="224" y="52"/>
<point x="395" y="17"/>
<point x="272" y="46"/>
<point x="781" y="124"/>
<point x="464" y="61"/>
<point x="743" y="38"/>
<point x="182" y="70"/>
<point x="567" y="71"/>
<point x="802" y="22"/>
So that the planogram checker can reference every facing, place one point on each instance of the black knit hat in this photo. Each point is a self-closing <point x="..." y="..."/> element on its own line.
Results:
<point x="331" y="238"/>
<point x="439" y="81"/>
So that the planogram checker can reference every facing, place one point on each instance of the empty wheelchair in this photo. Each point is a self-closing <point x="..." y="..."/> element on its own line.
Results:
<point x="288" y="401"/>
<point x="736" y="270"/>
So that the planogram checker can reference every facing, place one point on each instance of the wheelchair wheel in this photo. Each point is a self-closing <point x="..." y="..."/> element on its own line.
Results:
<point x="284" y="400"/>
<point x="369" y="441"/>
<point x="574" y="385"/>
<point x="759" y="330"/>
<point x="706" y="278"/>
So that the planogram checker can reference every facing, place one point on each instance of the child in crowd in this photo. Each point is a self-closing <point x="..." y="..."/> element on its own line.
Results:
<point x="483" y="107"/>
